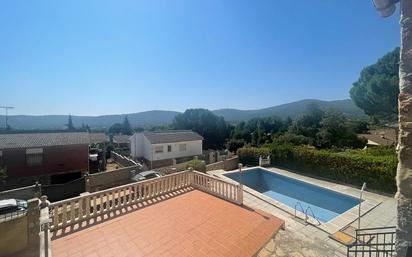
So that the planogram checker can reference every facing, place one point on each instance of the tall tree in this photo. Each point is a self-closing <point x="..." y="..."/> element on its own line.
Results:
<point x="214" y="129"/>
<point x="404" y="172"/>
<point x="126" y="128"/>
<point x="377" y="88"/>
<point x="69" y="124"/>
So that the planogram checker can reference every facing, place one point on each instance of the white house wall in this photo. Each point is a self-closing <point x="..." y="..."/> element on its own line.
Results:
<point x="192" y="148"/>
<point x="136" y="145"/>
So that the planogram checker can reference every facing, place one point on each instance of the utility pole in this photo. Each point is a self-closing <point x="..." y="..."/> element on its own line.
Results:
<point x="7" y="113"/>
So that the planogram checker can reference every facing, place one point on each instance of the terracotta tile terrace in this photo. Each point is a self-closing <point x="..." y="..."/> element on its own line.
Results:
<point x="191" y="221"/>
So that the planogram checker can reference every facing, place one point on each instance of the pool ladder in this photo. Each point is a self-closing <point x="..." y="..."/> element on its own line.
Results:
<point x="298" y="204"/>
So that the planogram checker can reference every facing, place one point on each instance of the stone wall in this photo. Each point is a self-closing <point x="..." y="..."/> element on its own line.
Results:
<point x="160" y="163"/>
<point x="108" y="179"/>
<point x="229" y="164"/>
<point x="13" y="235"/>
<point x="172" y="168"/>
<point x="23" y="193"/>
<point x="20" y="235"/>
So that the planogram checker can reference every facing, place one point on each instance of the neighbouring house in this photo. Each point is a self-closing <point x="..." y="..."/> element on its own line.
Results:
<point x="121" y="144"/>
<point x="383" y="137"/>
<point x="162" y="148"/>
<point x="121" y="141"/>
<point x="45" y="157"/>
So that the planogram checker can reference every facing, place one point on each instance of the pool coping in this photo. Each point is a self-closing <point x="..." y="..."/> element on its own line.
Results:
<point x="335" y="224"/>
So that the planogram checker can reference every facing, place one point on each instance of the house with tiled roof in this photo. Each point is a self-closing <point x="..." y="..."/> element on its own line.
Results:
<point x="160" y="148"/>
<point x="43" y="157"/>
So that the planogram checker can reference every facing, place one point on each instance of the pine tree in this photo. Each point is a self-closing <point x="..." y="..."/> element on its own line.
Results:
<point x="126" y="128"/>
<point x="70" y="125"/>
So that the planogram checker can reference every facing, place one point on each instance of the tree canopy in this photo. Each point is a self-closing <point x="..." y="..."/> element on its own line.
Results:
<point x="214" y="129"/>
<point x="377" y="89"/>
<point x="121" y="128"/>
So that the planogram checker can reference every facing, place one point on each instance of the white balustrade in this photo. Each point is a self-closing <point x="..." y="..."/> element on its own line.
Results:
<point x="78" y="209"/>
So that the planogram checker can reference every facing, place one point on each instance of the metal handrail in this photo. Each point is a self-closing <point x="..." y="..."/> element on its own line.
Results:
<point x="301" y="207"/>
<point x="313" y="215"/>
<point x="378" y="243"/>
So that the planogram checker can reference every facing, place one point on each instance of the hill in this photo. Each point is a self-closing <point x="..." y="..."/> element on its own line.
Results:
<point x="154" y="118"/>
<point x="292" y="110"/>
<point x="148" y="118"/>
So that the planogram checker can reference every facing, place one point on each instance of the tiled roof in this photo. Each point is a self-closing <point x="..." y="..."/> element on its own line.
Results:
<point x="9" y="141"/>
<point x="98" y="138"/>
<point x="379" y="139"/>
<point x="121" y="139"/>
<point x="172" y="136"/>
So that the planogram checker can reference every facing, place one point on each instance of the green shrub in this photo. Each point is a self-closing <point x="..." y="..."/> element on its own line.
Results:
<point x="376" y="167"/>
<point x="197" y="165"/>
<point x="250" y="155"/>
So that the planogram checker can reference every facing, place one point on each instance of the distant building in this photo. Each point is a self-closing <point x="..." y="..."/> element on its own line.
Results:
<point x="121" y="141"/>
<point x="161" y="148"/>
<point x="44" y="156"/>
<point x="383" y="137"/>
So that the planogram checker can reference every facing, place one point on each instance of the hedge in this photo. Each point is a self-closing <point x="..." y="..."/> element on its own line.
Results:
<point x="250" y="155"/>
<point x="352" y="166"/>
<point x="197" y="165"/>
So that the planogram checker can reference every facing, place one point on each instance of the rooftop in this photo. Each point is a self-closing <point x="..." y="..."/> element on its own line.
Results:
<point x="172" y="136"/>
<point x="10" y="141"/>
<point x="98" y="138"/>
<point x="121" y="139"/>
<point x="193" y="223"/>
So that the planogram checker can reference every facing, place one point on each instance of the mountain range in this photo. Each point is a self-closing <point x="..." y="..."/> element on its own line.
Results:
<point x="159" y="117"/>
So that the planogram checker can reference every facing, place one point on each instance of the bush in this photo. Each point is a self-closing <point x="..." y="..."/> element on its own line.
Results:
<point x="376" y="167"/>
<point x="197" y="165"/>
<point x="250" y="155"/>
<point x="294" y="139"/>
<point x="233" y="144"/>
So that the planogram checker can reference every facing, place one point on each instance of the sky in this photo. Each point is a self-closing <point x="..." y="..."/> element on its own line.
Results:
<point x="112" y="57"/>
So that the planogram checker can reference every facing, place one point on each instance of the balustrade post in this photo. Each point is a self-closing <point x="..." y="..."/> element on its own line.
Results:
<point x="191" y="177"/>
<point x="33" y="227"/>
<point x="44" y="235"/>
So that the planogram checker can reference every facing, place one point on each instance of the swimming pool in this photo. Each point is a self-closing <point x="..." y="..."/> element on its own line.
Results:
<point x="326" y="204"/>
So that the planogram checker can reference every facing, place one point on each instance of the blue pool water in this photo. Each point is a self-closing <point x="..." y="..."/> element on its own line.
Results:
<point x="326" y="204"/>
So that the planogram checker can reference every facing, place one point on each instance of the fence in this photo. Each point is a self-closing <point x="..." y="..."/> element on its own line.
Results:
<point x="23" y="193"/>
<point x="57" y="192"/>
<point x="107" y="179"/>
<point x="217" y="187"/>
<point x="20" y="234"/>
<point x="76" y="210"/>
<point x="373" y="242"/>
<point x="123" y="160"/>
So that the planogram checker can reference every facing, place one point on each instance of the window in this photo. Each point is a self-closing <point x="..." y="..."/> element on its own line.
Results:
<point x="169" y="148"/>
<point x="34" y="156"/>
<point x="159" y="149"/>
<point x="182" y="147"/>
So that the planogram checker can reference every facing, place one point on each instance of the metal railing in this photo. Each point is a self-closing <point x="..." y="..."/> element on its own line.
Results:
<point x="12" y="215"/>
<point x="373" y="242"/>
<point x="301" y="207"/>
<point x="305" y="212"/>
<point x="313" y="215"/>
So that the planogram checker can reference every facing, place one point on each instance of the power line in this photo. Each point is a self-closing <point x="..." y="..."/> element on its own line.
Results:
<point x="7" y="113"/>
